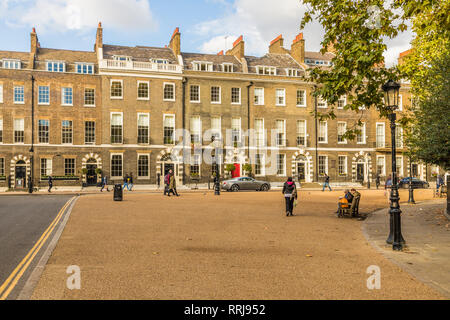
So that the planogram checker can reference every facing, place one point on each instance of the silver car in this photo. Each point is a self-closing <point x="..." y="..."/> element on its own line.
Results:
<point x="245" y="183"/>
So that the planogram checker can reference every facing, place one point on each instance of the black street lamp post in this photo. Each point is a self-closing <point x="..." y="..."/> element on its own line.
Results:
<point x="215" y="169"/>
<point x="391" y="95"/>
<point x="411" y="190"/>
<point x="31" y="182"/>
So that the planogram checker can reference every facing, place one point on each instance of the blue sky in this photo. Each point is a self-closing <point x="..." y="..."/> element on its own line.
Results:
<point x="204" y="24"/>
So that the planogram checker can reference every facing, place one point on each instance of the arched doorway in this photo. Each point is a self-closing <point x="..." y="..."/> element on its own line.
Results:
<point x="167" y="161"/>
<point x="302" y="168"/>
<point x="20" y="174"/>
<point x="91" y="175"/>
<point x="361" y="167"/>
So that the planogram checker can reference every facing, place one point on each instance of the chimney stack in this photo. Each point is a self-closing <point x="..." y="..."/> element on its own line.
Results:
<point x="298" y="48"/>
<point x="402" y="56"/>
<point x="175" y="42"/>
<point x="99" y="37"/>
<point x="276" y="45"/>
<point x="238" y="49"/>
<point x="34" y="47"/>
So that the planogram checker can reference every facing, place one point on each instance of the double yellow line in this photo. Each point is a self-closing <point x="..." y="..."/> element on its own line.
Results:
<point x="18" y="272"/>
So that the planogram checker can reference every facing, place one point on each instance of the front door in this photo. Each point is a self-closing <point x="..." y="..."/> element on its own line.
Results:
<point x="301" y="171"/>
<point x="360" y="172"/>
<point x="91" y="176"/>
<point x="21" y="173"/>
<point x="236" y="173"/>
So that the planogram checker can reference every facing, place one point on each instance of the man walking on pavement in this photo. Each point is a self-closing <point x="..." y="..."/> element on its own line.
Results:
<point x="104" y="184"/>
<point x="130" y="182"/>
<point x="377" y="180"/>
<point x="172" y="185"/>
<point x="125" y="182"/>
<point x="166" y="182"/>
<point x="50" y="183"/>
<point x="326" y="183"/>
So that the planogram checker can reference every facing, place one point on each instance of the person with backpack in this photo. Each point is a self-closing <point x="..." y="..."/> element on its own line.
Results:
<point x="326" y="183"/>
<point x="290" y="194"/>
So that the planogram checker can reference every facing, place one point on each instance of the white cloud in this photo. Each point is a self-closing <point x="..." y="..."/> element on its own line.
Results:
<point x="260" y="21"/>
<point x="79" y="15"/>
<point x="219" y="43"/>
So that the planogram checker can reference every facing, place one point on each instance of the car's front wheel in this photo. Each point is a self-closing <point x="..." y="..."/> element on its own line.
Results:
<point x="234" y="188"/>
<point x="264" y="187"/>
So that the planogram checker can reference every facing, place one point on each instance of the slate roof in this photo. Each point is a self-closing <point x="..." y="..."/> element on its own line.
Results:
<point x="69" y="56"/>
<point x="281" y="61"/>
<point x="318" y="56"/>
<point x="140" y="53"/>
<point x="217" y="60"/>
<point x="23" y="56"/>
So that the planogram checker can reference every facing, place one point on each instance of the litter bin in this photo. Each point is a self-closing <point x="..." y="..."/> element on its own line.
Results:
<point x="118" y="193"/>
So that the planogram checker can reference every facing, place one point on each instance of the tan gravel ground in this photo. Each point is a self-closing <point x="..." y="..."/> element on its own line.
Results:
<point x="236" y="246"/>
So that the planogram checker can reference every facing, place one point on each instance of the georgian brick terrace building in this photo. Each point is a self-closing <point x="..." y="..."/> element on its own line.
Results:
<point x="117" y="110"/>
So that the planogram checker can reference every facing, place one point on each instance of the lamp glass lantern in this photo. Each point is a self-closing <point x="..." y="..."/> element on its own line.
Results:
<point x="391" y="91"/>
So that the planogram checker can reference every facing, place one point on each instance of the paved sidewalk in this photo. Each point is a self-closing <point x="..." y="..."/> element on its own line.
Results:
<point x="427" y="233"/>
<point x="236" y="246"/>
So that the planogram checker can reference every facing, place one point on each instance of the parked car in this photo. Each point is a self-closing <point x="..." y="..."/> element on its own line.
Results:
<point x="245" y="183"/>
<point x="416" y="183"/>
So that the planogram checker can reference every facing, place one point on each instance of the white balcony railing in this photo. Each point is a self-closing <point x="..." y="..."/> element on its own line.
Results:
<point x="139" y="66"/>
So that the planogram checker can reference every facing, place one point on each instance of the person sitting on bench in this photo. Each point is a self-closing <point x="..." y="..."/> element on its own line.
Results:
<point x="356" y="196"/>
<point x="345" y="200"/>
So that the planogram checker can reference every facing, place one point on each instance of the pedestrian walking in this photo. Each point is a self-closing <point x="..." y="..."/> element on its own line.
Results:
<point x="166" y="182"/>
<point x="290" y="195"/>
<point x="104" y="184"/>
<point x="130" y="182"/>
<point x="125" y="182"/>
<point x="50" y="183"/>
<point x="439" y="183"/>
<point x="326" y="183"/>
<point x="377" y="181"/>
<point x="172" y="185"/>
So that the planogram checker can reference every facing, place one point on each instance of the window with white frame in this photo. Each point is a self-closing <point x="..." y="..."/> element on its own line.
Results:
<point x="195" y="93"/>
<point x="56" y="66"/>
<point x="323" y="165"/>
<point x="143" y="120"/>
<point x="116" y="90"/>
<point x="89" y="132"/>
<point x="169" y="91"/>
<point x="46" y="167"/>
<point x="227" y="67"/>
<point x="12" y="64"/>
<point x="169" y="129"/>
<point x="116" y="127"/>
<point x="380" y="138"/>
<point x="216" y="128"/>
<point x="43" y="130"/>
<point x="196" y="130"/>
<point x="236" y="129"/>
<point x="266" y="70"/>
<point x="321" y="103"/>
<point x="215" y="94"/>
<point x="323" y="132"/>
<point x="341" y="130"/>
<point x="202" y="66"/>
<point x="194" y="169"/>
<point x="66" y="96"/>
<point x="1" y="130"/>
<point x="280" y="97"/>
<point x="44" y="95"/>
<point x="259" y="96"/>
<point x="259" y="164"/>
<point x="160" y="61"/>
<point x="19" y="94"/>
<point x="281" y="164"/>
<point x="89" y="97"/>
<point x="69" y="166"/>
<point x="342" y="165"/>
<point x="67" y="132"/>
<point x="235" y="95"/>
<point x="116" y="165"/>
<point x="143" y="90"/>
<point x="19" y="130"/>
<point x="301" y="133"/>
<point x="399" y="164"/>
<point x="1" y="93"/>
<point x="121" y="58"/>
<point x="2" y="166"/>
<point x="293" y="72"/>
<point x="84" y="68"/>
<point x="381" y="165"/>
<point x="361" y="135"/>
<point x="280" y="126"/>
<point x="398" y="136"/>
<point x="143" y="165"/>
<point x="301" y="98"/>
<point x="342" y="101"/>
<point x="259" y="132"/>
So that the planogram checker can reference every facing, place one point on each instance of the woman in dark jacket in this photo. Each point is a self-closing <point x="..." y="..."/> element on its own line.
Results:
<point x="290" y="193"/>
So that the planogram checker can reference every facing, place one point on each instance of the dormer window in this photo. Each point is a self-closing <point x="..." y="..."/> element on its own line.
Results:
<point x="293" y="72"/>
<point x="84" y="68"/>
<point x="266" y="70"/>
<point x="12" y="64"/>
<point x="227" y="67"/>
<point x="202" y="66"/>
<point x="56" y="66"/>
<point x="122" y="58"/>
<point x="160" y="61"/>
